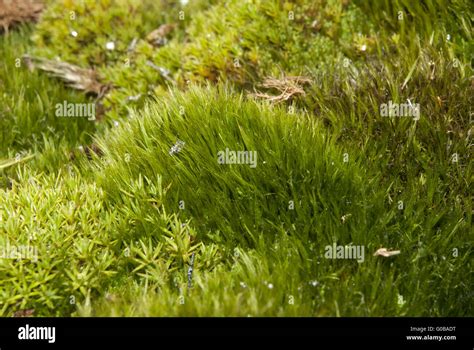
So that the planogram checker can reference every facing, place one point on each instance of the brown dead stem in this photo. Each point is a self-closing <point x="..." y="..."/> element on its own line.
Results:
<point x="287" y="87"/>
<point x="76" y="77"/>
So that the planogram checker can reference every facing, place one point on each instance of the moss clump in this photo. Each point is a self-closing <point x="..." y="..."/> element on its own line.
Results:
<point x="240" y="42"/>
<point x="224" y="197"/>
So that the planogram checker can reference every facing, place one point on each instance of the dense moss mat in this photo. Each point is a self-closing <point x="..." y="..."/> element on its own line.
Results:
<point x="233" y="41"/>
<point x="289" y="158"/>
<point x="28" y="100"/>
<point x="115" y="232"/>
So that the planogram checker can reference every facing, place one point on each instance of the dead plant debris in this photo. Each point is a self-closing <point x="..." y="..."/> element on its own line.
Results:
<point x="24" y="313"/>
<point x="76" y="77"/>
<point x="158" y="37"/>
<point x="386" y="253"/>
<point x="286" y="87"/>
<point x="14" y="12"/>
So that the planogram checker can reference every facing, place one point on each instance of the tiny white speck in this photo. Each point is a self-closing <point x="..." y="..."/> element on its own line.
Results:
<point x="110" y="45"/>
<point x="243" y="285"/>
<point x="363" y="47"/>
<point x="184" y="2"/>
<point x="314" y="283"/>
<point x="74" y="33"/>
<point x="178" y="146"/>
<point x="270" y="286"/>
<point x="116" y="123"/>
<point x="448" y="37"/>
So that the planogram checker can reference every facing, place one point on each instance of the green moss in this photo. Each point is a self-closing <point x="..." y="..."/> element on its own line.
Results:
<point x="77" y="31"/>
<point x="27" y="104"/>
<point x="120" y="243"/>
<point x="224" y="198"/>
<point x="240" y="42"/>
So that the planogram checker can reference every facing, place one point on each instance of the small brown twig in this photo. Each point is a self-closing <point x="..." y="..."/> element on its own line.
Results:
<point x="87" y="80"/>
